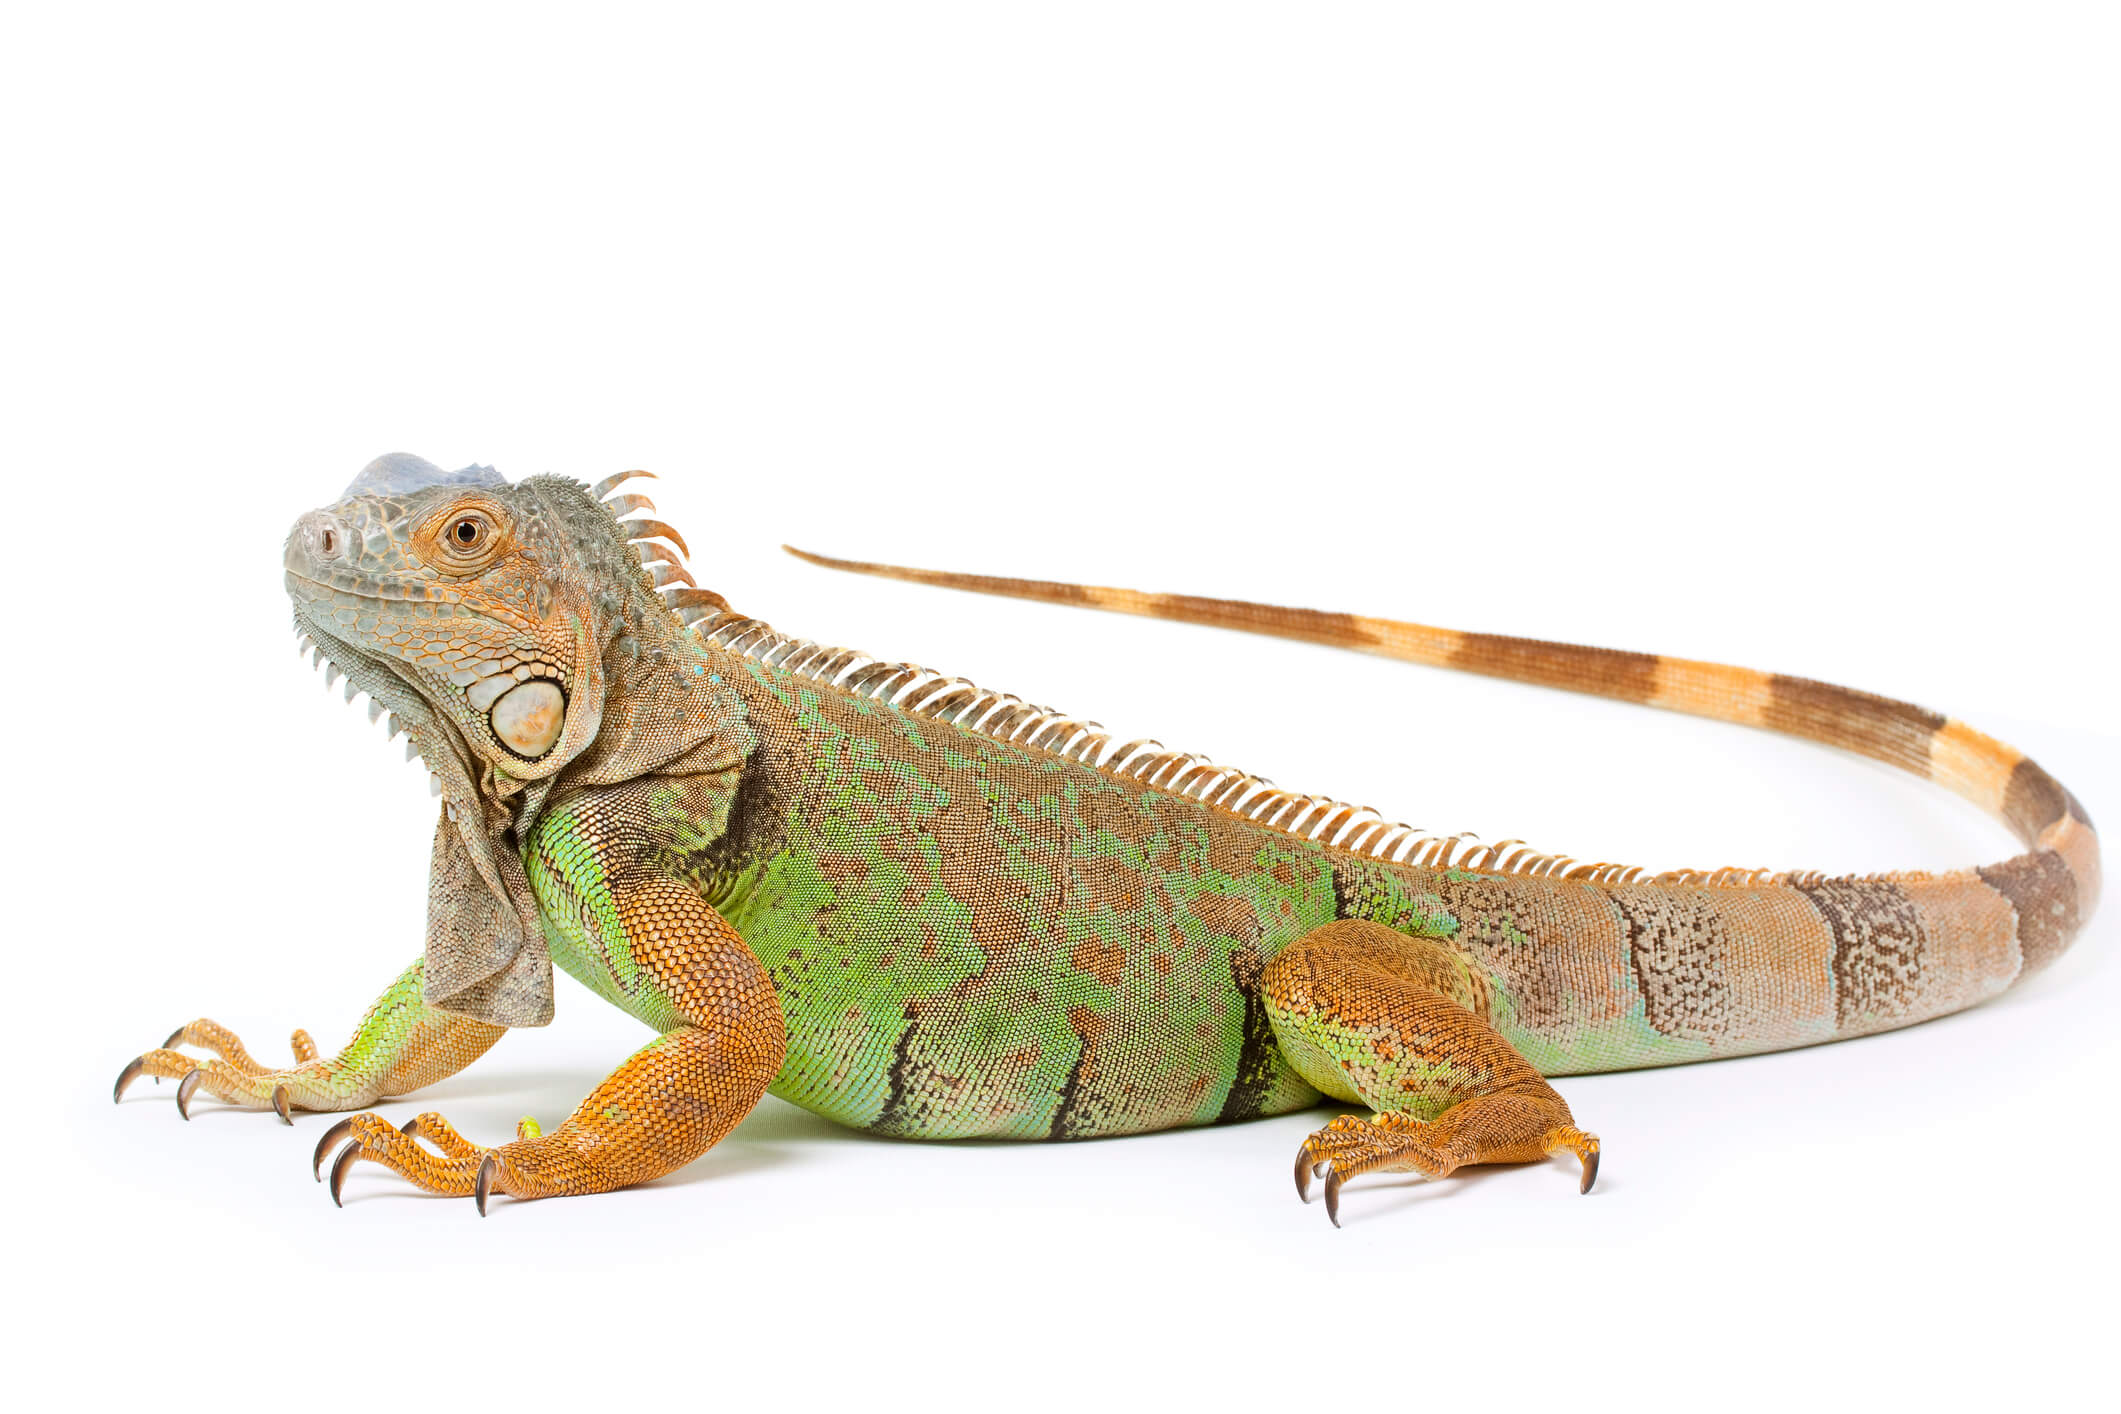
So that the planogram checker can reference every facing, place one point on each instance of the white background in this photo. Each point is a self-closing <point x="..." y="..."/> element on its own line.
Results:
<point x="1785" y="339"/>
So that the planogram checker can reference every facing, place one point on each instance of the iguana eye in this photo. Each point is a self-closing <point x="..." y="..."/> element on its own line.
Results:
<point x="465" y="538"/>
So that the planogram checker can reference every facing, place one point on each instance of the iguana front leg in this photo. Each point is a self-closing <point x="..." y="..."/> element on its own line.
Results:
<point x="400" y="1045"/>
<point x="1398" y="1024"/>
<point x="673" y="958"/>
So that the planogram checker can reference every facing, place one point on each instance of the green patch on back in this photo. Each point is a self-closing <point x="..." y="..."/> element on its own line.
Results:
<point x="973" y="938"/>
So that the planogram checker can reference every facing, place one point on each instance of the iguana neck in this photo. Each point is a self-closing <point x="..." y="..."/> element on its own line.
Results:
<point x="668" y="710"/>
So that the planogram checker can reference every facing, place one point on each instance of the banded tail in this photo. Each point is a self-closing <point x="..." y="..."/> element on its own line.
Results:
<point x="2049" y="890"/>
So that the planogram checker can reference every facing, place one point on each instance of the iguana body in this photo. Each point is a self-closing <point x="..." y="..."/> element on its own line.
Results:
<point x="931" y="911"/>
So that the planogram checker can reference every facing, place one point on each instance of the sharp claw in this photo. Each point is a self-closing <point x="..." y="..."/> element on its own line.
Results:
<point x="1590" y="1171"/>
<point x="279" y="1104"/>
<point x="411" y="1128"/>
<point x="1333" y="1196"/>
<point x="1303" y="1172"/>
<point x="189" y="1088"/>
<point x="126" y="1077"/>
<point x="331" y="1136"/>
<point x="175" y="1036"/>
<point x="340" y="1165"/>
<point x="488" y="1166"/>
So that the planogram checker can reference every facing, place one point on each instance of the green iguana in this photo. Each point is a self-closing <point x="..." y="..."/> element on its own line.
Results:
<point x="928" y="910"/>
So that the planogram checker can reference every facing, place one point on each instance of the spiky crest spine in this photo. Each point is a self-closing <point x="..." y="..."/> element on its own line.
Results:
<point x="1002" y="716"/>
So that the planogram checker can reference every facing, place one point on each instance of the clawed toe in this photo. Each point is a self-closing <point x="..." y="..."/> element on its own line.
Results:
<point x="339" y="1166"/>
<point x="462" y="1169"/>
<point x="488" y="1167"/>
<point x="1333" y="1182"/>
<point x="330" y="1137"/>
<point x="232" y="1076"/>
<point x="127" y="1076"/>
<point x="1351" y="1146"/>
<point x="1397" y="1143"/>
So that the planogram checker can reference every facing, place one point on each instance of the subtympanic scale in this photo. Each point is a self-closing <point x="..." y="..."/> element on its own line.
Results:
<point x="528" y="716"/>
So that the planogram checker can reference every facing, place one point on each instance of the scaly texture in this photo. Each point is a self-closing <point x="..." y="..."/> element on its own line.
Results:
<point x="929" y="910"/>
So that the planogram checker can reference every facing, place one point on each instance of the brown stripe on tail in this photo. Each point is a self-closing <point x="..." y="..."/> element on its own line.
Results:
<point x="1984" y="927"/>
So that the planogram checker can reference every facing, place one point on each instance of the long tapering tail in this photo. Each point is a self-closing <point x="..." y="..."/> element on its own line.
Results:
<point x="2052" y="887"/>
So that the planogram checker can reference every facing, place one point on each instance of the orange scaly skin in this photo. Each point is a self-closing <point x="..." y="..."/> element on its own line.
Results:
<point x="670" y="1103"/>
<point x="934" y="911"/>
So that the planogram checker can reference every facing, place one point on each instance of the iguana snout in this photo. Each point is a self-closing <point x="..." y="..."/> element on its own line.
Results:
<point x="321" y="536"/>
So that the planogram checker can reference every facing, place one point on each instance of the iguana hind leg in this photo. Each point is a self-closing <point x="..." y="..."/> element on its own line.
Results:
<point x="400" y="1045"/>
<point x="1398" y="1024"/>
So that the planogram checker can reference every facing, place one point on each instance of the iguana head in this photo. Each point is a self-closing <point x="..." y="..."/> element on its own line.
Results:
<point x="455" y="600"/>
<point x="478" y="611"/>
<point x="514" y="630"/>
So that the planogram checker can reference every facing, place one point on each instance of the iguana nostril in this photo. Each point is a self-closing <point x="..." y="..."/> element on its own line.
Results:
<point x="322" y="535"/>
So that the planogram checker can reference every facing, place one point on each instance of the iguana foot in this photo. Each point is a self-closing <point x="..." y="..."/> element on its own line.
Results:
<point x="400" y="1045"/>
<point x="1390" y="1142"/>
<point x="236" y="1079"/>
<point x="527" y="1168"/>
